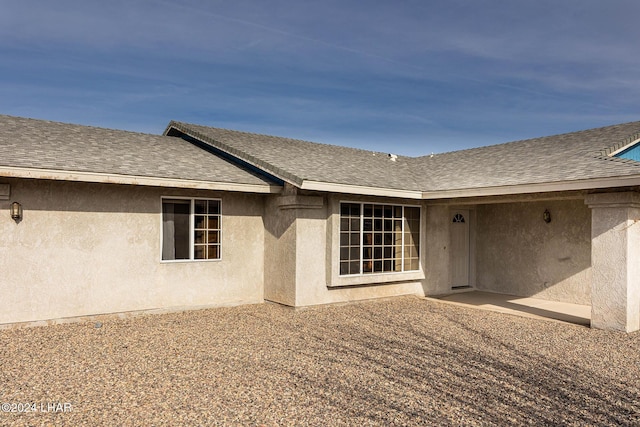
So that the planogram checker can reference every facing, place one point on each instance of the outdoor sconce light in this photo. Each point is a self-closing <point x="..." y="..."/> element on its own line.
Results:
<point x="16" y="211"/>
<point x="546" y="216"/>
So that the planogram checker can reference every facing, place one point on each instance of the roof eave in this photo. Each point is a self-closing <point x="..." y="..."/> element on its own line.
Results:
<point x="359" y="189"/>
<point x="105" y="178"/>
<point x="574" y="185"/>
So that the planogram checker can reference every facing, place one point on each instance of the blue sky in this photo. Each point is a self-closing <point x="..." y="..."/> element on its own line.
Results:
<point x="405" y="76"/>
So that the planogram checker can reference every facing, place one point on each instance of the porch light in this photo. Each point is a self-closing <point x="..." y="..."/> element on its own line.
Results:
<point x="16" y="211"/>
<point x="546" y="216"/>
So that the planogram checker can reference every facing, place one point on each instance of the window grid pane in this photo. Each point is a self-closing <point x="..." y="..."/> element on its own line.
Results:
<point x="349" y="238"/>
<point x="205" y="229"/>
<point x="386" y="241"/>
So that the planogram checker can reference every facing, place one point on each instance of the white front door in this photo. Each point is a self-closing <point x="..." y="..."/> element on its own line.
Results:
<point x="459" y="258"/>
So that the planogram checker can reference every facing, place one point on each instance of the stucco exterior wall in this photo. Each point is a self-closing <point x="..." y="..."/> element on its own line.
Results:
<point x="84" y="249"/>
<point x="436" y="250"/>
<point x="518" y="253"/>
<point x="317" y="259"/>
<point x="280" y="253"/>
<point x="311" y="255"/>
<point x="615" y="251"/>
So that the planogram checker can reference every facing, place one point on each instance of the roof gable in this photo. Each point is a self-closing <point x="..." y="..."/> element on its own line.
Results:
<point x="630" y="153"/>
<point x="307" y="164"/>
<point x="624" y="151"/>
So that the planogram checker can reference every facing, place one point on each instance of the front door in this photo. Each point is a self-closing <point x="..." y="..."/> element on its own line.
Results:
<point x="459" y="258"/>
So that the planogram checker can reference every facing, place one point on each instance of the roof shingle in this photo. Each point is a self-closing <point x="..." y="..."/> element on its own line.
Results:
<point x="297" y="161"/>
<point x="40" y="144"/>
<point x="567" y="157"/>
<point x="576" y="156"/>
<point x="558" y="158"/>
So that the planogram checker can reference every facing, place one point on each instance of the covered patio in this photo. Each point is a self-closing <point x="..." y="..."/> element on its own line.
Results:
<point x="521" y="306"/>
<point x="569" y="256"/>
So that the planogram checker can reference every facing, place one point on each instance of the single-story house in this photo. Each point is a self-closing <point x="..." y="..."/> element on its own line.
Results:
<point x="97" y="221"/>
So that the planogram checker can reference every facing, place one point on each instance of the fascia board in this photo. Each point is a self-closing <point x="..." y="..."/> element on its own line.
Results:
<point x="358" y="189"/>
<point x="96" y="177"/>
<point x="586" y="184"/>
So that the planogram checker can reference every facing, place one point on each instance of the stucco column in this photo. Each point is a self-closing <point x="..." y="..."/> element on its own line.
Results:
<point x="294" y="246"/>
<point x="615" y="260"/>
<point x="437" y="250"/>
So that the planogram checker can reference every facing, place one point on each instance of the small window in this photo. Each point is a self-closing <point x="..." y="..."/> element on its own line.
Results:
<point x="458" y="218"/>
<point x="190" y="229"/>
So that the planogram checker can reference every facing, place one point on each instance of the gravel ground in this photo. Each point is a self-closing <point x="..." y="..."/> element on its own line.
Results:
<point x="403" y="361"/>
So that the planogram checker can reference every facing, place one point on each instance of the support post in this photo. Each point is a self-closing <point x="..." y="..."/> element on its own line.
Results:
<point x="615" y="260"/>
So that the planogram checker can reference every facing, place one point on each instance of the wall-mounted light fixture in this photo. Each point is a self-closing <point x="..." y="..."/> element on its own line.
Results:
<point x="546" y="216"/>
<point x="16" y="211"/>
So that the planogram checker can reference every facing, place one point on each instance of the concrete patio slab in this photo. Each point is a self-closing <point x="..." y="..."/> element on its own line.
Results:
<point x="522" y="306"/>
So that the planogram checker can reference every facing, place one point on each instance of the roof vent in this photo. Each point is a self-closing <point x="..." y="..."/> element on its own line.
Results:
<point x="393" y="157"/>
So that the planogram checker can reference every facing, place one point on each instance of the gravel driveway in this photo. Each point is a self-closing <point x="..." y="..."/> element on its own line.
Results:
<point x="402" y="361"/>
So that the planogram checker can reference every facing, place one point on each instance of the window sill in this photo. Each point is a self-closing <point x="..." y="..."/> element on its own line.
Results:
<point x="374" y="279"/>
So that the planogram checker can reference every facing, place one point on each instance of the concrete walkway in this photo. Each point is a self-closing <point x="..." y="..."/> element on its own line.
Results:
<point x="522" y="306"/>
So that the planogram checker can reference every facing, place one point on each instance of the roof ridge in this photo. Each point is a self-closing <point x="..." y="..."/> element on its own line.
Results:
<point x="286" y="138"/>
<point x="240" y="154"/>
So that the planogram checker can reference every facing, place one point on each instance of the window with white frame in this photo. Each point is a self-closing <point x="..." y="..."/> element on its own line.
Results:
<point x="376" y="238"/>
<point x="190" y="229"/>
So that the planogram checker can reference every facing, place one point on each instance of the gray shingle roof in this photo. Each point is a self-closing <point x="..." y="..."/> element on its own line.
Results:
<point x="583" y="155"/>
<point x="567" y="157"/>
<point x="296" y="161"/>
<point x="40" y="144"/>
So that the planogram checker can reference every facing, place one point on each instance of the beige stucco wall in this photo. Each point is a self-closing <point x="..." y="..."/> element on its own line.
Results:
<point x="518" y="253"/>
<point x="615" y="251"/>
<point x="303" y="254"/>
<point x="436" y="250"/>
<point x="85" y="249"/>
<point x="280" y="253"/>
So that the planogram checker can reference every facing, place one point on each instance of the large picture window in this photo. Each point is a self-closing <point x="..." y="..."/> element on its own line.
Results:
<point x="190" y="229"/>
<point x="379" y="238"/>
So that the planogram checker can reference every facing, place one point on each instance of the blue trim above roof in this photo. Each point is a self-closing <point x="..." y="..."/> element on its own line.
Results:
<point x="631" y="153"/>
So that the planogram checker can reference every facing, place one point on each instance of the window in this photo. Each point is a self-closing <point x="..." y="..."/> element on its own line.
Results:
<point x="458" y="218"/>
<point x="379" y="238"/>
<point x="190" y="229"/>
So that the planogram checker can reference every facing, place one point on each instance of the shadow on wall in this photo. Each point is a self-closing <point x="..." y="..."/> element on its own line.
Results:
<point x="519" y="253"/>
<point x="64" y="196"/>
